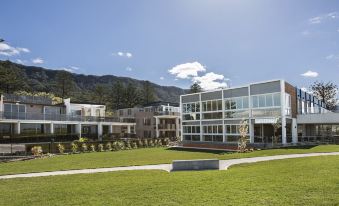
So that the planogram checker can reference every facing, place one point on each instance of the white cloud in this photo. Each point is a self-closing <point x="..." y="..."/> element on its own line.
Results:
<point x="74" y="67"/>
<point x="7" y="50"/>
<point x="187" y="70"/>
<point x="305" y="33"/>
<point x="211" y="81"/>
<point x="319" y="19"/>
<point x="129" y="69"/>
<point x="19" y="61"/>
<point x="162" y="78"/>
<point x="310" y="73"/>
<point x="332" y="56"/>
<point x="37" y="61"/>
<point x="123" y="54"/>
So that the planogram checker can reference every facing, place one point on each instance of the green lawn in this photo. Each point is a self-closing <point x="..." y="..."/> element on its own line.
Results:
<point x="302" y="181"/>
<point x="136" y="157"/>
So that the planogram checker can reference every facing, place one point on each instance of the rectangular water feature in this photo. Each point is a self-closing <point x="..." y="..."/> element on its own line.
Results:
<point x="203" y="164"/>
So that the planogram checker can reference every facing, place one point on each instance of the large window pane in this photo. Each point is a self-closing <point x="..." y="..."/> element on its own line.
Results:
<point x="245" y="102"/>
<point x="262" y="101"/>
<point x="219" y="104"/>
<point x="239" y="103"/>
<point x="269" y="100"/>
<point x="276" y="99"/>
<point x="255" y="102"/>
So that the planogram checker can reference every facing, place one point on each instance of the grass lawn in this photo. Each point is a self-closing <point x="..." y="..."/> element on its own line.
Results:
<point x="136" y="157"/>
<point x="302" y="181"/>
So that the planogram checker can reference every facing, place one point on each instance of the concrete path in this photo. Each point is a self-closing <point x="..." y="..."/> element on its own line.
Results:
<point x="224" y="165"/>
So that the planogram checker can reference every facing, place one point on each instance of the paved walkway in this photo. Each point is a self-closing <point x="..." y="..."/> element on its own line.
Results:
<point x="224" y="165"/>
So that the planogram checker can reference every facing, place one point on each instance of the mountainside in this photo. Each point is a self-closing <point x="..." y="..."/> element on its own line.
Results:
<point x="42" y="79"/>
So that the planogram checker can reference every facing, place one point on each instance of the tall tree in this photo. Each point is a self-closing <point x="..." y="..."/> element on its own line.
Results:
<point x="11" y="78"/>
<point x="148" y="93"/>
<point x="132" y="96"/>
<point x="117" y="96"/>
<point x="65" y="83"/>
<point x="326" y="92"/>
<point x="100" y="93"/>
<point x="195" y="88"/>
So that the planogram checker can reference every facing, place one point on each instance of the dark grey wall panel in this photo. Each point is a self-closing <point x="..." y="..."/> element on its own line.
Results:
<point x="190" y="98"/>
<point x="264" y="88"/>
<point x="211" y="95"/>
<point x="191" y="123"/>
<point x="232" y="121"/>
<point x="238" y="92"/>
<point x="211" y="122"/>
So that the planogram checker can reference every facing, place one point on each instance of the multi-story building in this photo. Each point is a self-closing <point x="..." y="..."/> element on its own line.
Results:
<point x="158" y="119"/>
<point x="213" y="118"/>
<point x="30" y="116"/>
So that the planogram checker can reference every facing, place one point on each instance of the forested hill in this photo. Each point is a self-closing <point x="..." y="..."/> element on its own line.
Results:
<point x="38" y="79"/>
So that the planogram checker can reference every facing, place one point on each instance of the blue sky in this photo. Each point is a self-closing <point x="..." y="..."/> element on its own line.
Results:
<point x="179" y="41"/>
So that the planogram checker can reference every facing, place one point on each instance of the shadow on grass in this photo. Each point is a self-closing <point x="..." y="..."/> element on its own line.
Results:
<point x="211" y="151"/>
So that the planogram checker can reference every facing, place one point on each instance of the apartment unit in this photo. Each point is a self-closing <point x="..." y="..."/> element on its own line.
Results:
<point x="214" y="117"/>
<point x="157" y="119"/>
<point x="30" y="116"/>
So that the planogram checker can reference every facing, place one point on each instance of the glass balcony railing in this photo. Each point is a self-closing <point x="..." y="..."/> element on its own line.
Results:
<point x="54" y="117"/>
<point x="27" y="99"/>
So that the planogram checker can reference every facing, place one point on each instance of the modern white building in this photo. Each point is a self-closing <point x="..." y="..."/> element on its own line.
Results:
<point x="213" y="118"/>
<point x="30" y="118"/>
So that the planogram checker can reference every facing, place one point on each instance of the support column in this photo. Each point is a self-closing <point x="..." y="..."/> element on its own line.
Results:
<point x="78" y="129"/>
<point x="294" y="131"/>
<point x="110" y="129"/>
<point x="251" y="131"/>
<point x="283" y="130"/>
<point x="52" y="128"/>
<point x="177" y="125"/>
<point x="99" y="131"/>
<point x="17" y="127"/>
<point x="128" y="129"/>
<point x="157" y="127"/>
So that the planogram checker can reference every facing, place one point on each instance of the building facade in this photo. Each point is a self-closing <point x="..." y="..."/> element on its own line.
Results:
<point x="159" y="119"/>
<point x="214" y="117"/>
<point x="28" y="116"/>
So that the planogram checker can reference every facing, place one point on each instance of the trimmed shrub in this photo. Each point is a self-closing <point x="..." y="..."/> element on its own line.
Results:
<point x="36" y="150"/>
<point x="84" y="147"/>
<point x="116" y="146"/>
<point x="128" y="145"/>
<point x="101" y="147"/>
<point x="61" y="148"/>
<point x="140" y="143"/>
<point x="74" y="147"/>
<point x="108" y="146"/>
<point x="166" y="142"/>
<point x="121" y="145"/>
<point x="83" y="139"/>
<point x="145" y="143"/>
<point x="92" y="148"/>
<point x="134" y="145"/>
<point x="151" y="143"/>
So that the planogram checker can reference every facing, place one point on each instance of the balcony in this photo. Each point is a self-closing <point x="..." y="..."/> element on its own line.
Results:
<point x="159" y="113"/>
<point x="166" y="126"/>
<point x="54" y="117"/>
<point x="27" y="99"/>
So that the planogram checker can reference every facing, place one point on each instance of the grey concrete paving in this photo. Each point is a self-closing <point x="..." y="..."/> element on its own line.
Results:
<point x="223" y="165"/>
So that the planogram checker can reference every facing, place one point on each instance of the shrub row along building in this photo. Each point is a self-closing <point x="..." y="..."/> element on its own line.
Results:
<point x="31" y="119"/>
<point x="212" y="119"/>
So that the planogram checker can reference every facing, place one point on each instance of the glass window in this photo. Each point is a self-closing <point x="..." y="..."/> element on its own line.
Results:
<point x="208" y="138"/>
<point x="255" y="101"/>
<point x="219" y="104"/>
<point x="197" y="107"/>
<point x="214" y="106"/>
<point x="262" y="101"/>
<point x="220" y="129"/>
<point x="8" y="108"/>
<point x="233" y="104"/>
<point x="209" y="106"/>
<point x="239" y="103"/>
<point x="276" y="99"/>
<point x="269" y="100"/>
<point x="227" y="104"/>
<point x="245" y="102"/>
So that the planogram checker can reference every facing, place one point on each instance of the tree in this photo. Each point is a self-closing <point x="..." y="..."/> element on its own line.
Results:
<point x="276" y="127"/>
<point x="195" y="88"/>
<point x="132" y="96"/>
<point x="148" y="93"/>
<point x="65" y="83"/>
<point x="243" y="131"/>
<point x="117" y="96"/>
<point x="326" y="92"/>
<point x="100" y="93"/>
<point x="11" y="78"/>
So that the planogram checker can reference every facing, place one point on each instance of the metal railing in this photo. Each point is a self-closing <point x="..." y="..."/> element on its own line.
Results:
<point x="55" y="117"/>
<point x="27" y="99"/>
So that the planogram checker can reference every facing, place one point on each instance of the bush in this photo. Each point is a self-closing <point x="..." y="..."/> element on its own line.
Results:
<point x="134" y="145"/>
<point x="108" y="146"/>
<point x="61" y="148"/>
<point x="145" y="143"/>
<point x="84" y="147"/>
<point x="83" y="139"/>
<point x="140" y="143"/>
<point x="36" y="150"/>
<point x="101" y="147"/>
<point x="151" y="143"/>
<point x="74" y="147"/>
<point x="92" y="147"/>
<point x="128" y="145"/>
<point x="166" y="142"/>
<point x="121" y="145"/>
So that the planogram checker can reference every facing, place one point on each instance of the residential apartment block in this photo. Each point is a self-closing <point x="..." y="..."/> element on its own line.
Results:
<point x="214" y="117"/>
<point x="33" y="117"/>
<point x="158" y="119"/>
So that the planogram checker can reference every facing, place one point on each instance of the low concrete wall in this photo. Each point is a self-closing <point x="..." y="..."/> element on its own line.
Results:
<point x="205" y="164"/>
